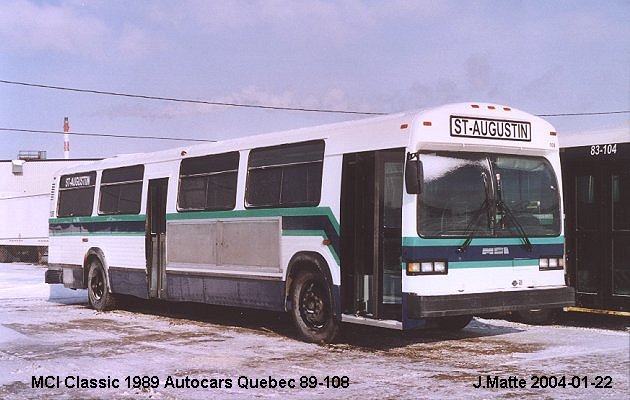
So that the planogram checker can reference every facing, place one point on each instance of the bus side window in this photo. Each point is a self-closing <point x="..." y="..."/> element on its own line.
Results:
<point x="286" y="175"/>
<point x="208" y="183"/>
<point x="76" y="194"/>
<point x="121" y="190"/>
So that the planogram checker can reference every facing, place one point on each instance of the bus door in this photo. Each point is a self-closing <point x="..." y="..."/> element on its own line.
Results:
<point x="371" y="229"/>
<point x="156" y="237"/>
<point x="598" y="234"/>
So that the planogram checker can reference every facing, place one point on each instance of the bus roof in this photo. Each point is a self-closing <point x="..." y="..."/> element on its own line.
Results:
<point x="586" y="138"/>
<point x="403" y="129"/>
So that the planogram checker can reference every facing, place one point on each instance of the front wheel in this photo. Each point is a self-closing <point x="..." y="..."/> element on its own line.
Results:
<point x="312" y="309"/>
<point x="99" y="294"/>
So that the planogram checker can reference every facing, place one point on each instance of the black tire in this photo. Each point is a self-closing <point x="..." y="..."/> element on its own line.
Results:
<point x="542" y="316"/>
<point x="454" y="323"/>
<point x="99" y="294"/>
<point x="312" y="310"/>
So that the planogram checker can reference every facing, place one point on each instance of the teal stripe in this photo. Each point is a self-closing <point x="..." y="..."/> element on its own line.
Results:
<point x="97" y="234"/>
<point x="526" y="263"/>
<point x="98" y="218"/>
<point x="251" y="213"/>
<point x="320" y="233"/>
<point x="418" y="241"/>
<point x="296" y="232"/>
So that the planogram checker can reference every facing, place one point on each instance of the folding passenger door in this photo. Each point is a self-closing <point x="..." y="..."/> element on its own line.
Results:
<point x="156" y="237"/>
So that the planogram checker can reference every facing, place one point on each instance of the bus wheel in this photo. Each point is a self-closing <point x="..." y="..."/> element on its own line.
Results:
<point x="312" y="309"/>
<point x="98" y="289"/>
<point x="455" y="322"/>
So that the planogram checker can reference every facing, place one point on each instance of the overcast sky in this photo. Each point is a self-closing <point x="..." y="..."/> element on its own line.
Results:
<point x="382" y="56"/>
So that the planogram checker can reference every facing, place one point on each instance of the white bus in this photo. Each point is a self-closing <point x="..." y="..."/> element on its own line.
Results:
<point x="405" y="221"/>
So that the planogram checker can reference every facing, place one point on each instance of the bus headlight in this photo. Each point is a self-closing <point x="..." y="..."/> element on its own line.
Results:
<point x="439" y="266"/>
<point x="427" y="267"/>
<point x="550" y="263"/>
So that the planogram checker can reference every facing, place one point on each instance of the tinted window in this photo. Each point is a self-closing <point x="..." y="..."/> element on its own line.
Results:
<point x="484" y="194"/>
<point x="587" y="203"/>
<point x="76" y="194"/>
<point x="285" y="176"/>
<point x="121" y="190"/>
<point x="530" y="191"/>
<point x="125" y="174"/>
<point x="621" y="200"/>
<point x="453" y="198"/>
<point x="208" y="182"/>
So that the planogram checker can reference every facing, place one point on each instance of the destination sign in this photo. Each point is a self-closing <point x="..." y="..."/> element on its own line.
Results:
<point x="485" y="128"/>
<point x="84" y="179"/>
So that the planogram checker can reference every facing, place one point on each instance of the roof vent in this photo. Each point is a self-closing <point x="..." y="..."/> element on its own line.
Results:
<point x="17" y="167"/>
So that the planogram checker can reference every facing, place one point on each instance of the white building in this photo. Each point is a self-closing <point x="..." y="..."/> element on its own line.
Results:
<point x="25" y="185"/>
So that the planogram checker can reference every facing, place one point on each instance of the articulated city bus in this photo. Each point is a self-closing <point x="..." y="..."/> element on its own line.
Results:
<point x="404" y="221"/>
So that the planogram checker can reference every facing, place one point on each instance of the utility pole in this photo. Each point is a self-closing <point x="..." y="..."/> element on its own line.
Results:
<point x="66" y="139"/>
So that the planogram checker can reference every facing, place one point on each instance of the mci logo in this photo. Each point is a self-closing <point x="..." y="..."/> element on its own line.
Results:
<point x="495" y="251"/>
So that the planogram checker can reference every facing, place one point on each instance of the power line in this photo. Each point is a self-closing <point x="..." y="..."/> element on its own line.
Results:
<point x="259" y="106"/>
<point x="192" y="101"/>
<point x="584" y="113"/>
<point x="106" y="135"/>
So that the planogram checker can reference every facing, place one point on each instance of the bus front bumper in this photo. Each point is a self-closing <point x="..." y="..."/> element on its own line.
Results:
<point x="418" y="307"/>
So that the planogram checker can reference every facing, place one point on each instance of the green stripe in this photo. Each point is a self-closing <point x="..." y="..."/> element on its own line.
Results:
<point x="296" y="232"/>
<point x="98" y="218"/>
<point x="320" y="233"/>
<point x="97" y="234"/>
<point x="418" y="241"/>
<point x="251" y="213"/>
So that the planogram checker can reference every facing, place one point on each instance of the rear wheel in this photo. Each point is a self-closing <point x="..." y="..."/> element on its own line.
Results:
<point x="312" y="310"/>
<point x="99" y="294"/>
<point x="455" y="322"/>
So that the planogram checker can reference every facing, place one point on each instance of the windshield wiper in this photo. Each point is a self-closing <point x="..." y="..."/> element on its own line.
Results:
<point x="505" y="210"/>
<point x="474" y="221"/>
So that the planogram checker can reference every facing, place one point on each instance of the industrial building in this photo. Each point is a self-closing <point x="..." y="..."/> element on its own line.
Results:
<point x="25" y="185"/>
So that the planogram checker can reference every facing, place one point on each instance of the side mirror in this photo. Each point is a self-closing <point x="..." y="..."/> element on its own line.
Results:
<point x="414" y="174"/>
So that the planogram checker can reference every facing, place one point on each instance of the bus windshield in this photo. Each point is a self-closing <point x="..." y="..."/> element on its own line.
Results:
<point x="473" y="194"/>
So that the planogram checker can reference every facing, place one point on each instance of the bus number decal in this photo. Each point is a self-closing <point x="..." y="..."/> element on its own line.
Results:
<point x="604" y="149"/>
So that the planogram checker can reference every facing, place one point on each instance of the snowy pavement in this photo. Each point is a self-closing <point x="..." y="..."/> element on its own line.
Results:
<point x="57" y="347"/>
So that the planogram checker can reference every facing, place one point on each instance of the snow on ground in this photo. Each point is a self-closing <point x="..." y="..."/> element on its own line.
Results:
<point x="26" y="281"/>
<point x="166" y="343"/>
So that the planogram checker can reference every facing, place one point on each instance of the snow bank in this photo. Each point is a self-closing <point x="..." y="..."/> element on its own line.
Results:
<point x="26" y="281"/>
